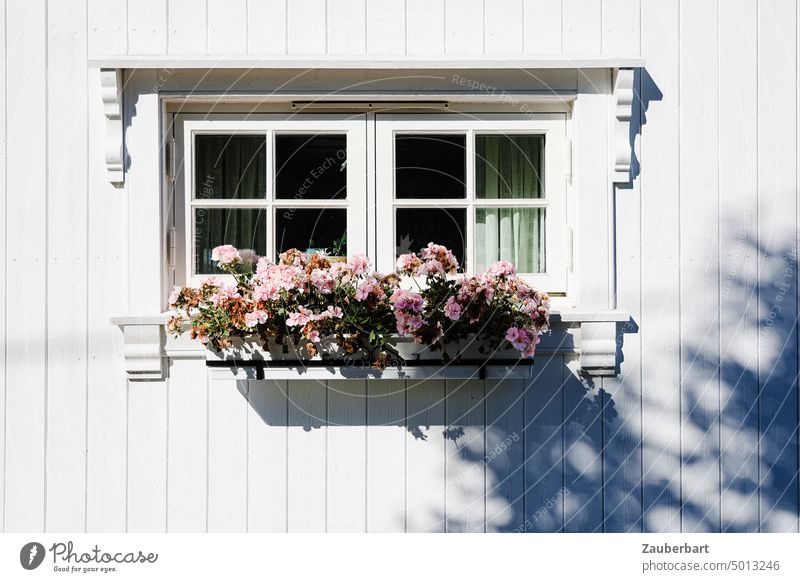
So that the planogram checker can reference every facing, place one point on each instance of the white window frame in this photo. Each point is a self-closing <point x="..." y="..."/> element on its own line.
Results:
<point x="186" y="126"/>
<point x="554" y="128"/>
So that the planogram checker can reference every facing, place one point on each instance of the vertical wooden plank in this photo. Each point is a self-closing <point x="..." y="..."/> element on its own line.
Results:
<point x="777" y="248"/>
<point x="346" y="456"/>
<point x="386" y="27"/>
<point x="67" y="261"/>
<point x="266" y="27"/>
<point x="464" y="26"/>
<point x="583" y="450"/>
<point x="543" y="27"/>
<point x="227" y="453"/>
<point x="347" y="27"/>
<point x="425" y="456"/>
<point x="505" y="455"/>
<point x="187" y="33"/>
<point x="147" y="456"/>
<point x="306" y="28"/>
<point x="620" y="33"/>
<point x="3" y="265"/>
<point x="187" y="453"/>
<point x="266" y="490"/>
<point x="307" y="456"/>
<point x="147" y="27"/>
<point x="227" y="27"/>
<point x="465" y="457"/>
<point x="661" y="412"/>
<point x="425" y="32"/>
<point x="386" y="456"/>
<point x="108" y="27"/>
<point x="26" y="323"/>
<point x="738" y="187"/>
<point x="544" y="478"/>
<point x="504" y="32"/>
<point x="107" y="389"/>
<point x="582" y="27"/>
<point x="699" y="243"/>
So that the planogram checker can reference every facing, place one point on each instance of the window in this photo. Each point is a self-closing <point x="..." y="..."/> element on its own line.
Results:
<point x="487" y="186"/>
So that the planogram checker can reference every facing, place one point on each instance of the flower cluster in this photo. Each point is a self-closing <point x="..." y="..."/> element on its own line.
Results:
<point x="308" y="301"/>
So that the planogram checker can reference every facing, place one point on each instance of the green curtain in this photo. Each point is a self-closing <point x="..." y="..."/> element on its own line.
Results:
<point x="510" y="167"/>
<point x="231" y="168"/>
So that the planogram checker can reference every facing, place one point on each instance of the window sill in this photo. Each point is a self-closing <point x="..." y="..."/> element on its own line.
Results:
<point x="593" y="335"/>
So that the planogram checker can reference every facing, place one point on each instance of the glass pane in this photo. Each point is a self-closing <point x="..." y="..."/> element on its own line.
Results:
<point x="230" y="166"/>
<point x="311" y="229"/>
<point x="416" y="227"/>
<point x="311" y="167"/>
<point x="512" y="234"/>
<point x="509" y="166"/>
<point x="240" y="227"/>
<point x="430" y="166"/>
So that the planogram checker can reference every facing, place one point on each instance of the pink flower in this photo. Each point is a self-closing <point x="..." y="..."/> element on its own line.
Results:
<point x="173" y="296"/>
<point x="313" y="336"/>
<point x="330" y="313"/>
<point x="226" y="255"/>
<point x="248" y="256"/>
<point x="225" y="293"/>
<point x="523" y="339"/>
<point x="299" y="318"/>
<point x="407" y="324"/>
<point x="441" y="254"/>
<point x="322" y="280"/>
<point x="408" y="263"/>
<point x="431" y="267"/>
<point x="211" y="281"/>
<point x="452" y="309"/>
<point x="404" y="300"/>
<point x="253" y="318"/>
<point x="358" y="264"/>
<point x="502" y="269"/>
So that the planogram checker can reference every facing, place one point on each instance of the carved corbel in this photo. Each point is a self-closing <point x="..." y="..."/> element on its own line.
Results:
<point x="623" y="107"/>
<point x="111" y="92"/>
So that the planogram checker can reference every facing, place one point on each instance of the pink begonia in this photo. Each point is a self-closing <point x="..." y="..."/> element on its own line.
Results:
<point x="502" y="269"/>
<point x="253" y="318"/>
<point x="431" y="267"/>
<point x="358" y="264"/>
<point x="522" y="339"/>
<point x="268" y="291"/>
<point x="225" y="292"/>
<point x="405" y="300"/>
<point x="441" y="254"/>
<point x="226" y="255"/>
<point x="330" y="313"/>
<point x="408" y="323"/>
<point x="173" y="296"/>
<point x="370" y="287"/>
<point x="322" y="280"/>
<point x="299" y="318"/>
<point x="452" y="309"/>
<point x="313" y="336"/>
<point x="408" y="263"/>
<point x="282" y="276"/>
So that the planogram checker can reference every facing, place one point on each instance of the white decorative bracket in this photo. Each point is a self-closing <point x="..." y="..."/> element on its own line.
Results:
<point x="598" y="342"/>
<point x="111" y="91"/>
<point x="143" y="349"/>
<point x="623" y="107"/>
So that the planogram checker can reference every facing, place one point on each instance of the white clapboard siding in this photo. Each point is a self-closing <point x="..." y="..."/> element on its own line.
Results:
<point x="67" y="254"/>
<point x="227" y="453"/>
<point x="659" y="327"/>
<point x="266" y="453"/>
<point x="738" y="192"/>
<point x="386" y="456"/>
<point x="187" y="32"/>
<point x="147" y="27"/>
<point x="107" y="27"/>
<point x="699" y="205"/>
<point x="386" y="27"/>
<point x="542" y="27"/>
<point x="347" y="27"/>
<point x="504" y="27"/>
<point x="227" y="27"/>
<point x="464" y="27"/>
<point x="146" y="484"/>
<point x="26" y="316"/>
<point x="425" y="27"/>
<point x="777" y="266"/>
<point x="266" y="27"/>
<point x="583" y="24"/>
<point x="3" y="265"/>
<point x="305" y="27"/>
<point x="188" y="446"/>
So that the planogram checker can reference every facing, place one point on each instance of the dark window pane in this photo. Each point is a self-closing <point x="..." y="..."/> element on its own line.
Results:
<point x="416" y="227"/>
<point x="230" y="166"/>
<point x="311" y="167"/>
<point x="430" y="166"/>
<point x="512" y="234"/>
<point x="240" y="227"/>
<point x="311" y="228"/>
<point x="509" y="166"/>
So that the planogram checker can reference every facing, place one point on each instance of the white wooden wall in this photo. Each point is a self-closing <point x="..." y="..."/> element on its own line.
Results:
<point x="698" y="433"/>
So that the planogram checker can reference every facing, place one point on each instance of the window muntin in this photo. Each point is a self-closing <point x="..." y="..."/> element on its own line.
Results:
<point x="297" y="186"/>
